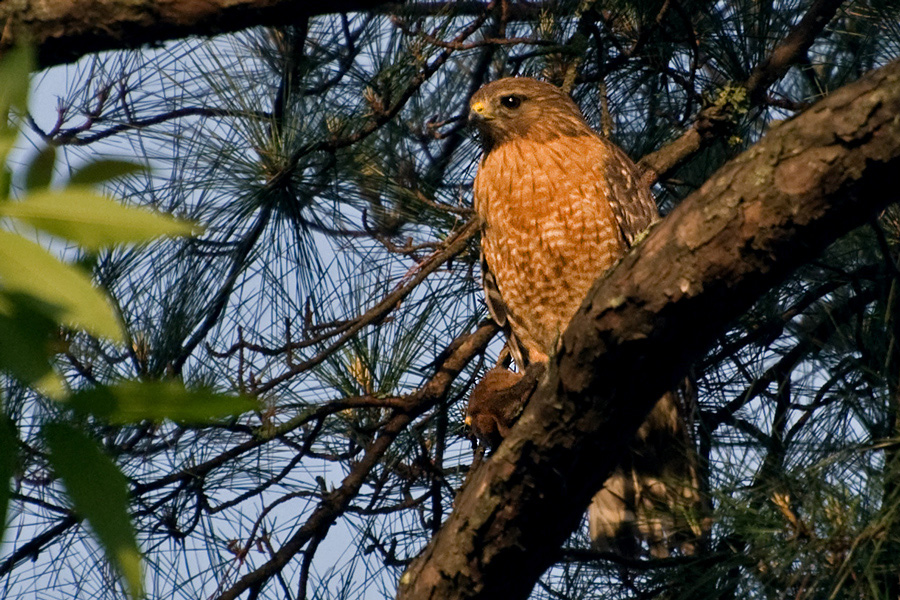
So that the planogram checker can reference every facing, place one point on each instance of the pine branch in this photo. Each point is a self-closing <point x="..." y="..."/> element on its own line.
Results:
<point x="31" y="548"/>
<point x="335" y="503"/>
<point x="377" y="313"/>
<point x="712" y="121"/>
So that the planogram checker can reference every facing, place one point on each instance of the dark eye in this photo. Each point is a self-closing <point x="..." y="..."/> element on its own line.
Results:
<point x="511" y="101"/>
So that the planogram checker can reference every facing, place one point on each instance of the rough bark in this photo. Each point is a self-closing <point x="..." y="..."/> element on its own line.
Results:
<point x="65" y="30"/>
<point x="771" y="209"/>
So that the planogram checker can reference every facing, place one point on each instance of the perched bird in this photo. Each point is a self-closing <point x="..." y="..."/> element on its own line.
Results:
<point x="560" y="206"/>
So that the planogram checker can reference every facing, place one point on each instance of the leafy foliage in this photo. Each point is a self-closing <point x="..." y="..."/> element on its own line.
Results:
<point x="99" y="493"/>
<point x="38" y="294"/>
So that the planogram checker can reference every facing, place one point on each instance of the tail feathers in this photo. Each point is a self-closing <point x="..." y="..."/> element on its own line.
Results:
<point x="630" y="511"/>
<point x="653" y="497"/>
<point x="611" y="517"/>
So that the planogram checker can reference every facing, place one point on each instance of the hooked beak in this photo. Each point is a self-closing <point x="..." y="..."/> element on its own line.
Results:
<point x="478" y="112"/>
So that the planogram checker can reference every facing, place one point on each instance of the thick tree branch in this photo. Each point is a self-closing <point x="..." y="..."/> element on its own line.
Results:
<point x="65" y="30"/>
<point x="764" y="213"/>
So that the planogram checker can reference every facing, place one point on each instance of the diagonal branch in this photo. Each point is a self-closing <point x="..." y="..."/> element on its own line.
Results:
<point x="792" y="49"/>
<point x="713" y="120"/>
<point x="377" y="313"/>
<point x="760" y="216"/>
<point x="337" y="501"/>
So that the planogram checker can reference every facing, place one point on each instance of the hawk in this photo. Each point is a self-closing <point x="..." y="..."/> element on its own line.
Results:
<point x="560" y="206"/>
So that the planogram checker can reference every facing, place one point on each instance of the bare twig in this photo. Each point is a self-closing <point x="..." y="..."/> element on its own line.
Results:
<point x="336" y="502"/>
<point x="454" y="246"/>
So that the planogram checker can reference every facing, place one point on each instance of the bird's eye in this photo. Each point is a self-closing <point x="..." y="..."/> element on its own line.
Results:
<point x="511" y="101"/>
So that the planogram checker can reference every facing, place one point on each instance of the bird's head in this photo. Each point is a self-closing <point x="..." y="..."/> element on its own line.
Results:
<point x="520" y="106"/>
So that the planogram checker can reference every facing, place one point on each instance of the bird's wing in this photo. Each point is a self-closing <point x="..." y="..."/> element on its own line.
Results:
<point x="499" y="312"/>
<point x="624" y="182"/>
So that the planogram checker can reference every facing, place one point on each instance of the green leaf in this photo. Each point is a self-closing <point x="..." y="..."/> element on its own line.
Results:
<point x="27" y="268"/>
<point x="27" y="327"/>
<point x="9" y="458"/>
<point x="7" y="141"/>
<point x="136" y="401"/>
<point x="15" y="73"/>
<point x="100" y="171"/>
<point x="40" y="171"/>
<point x="99" y="493"/>
<point x="5" y="178"/>
<point x="92" y="220"/>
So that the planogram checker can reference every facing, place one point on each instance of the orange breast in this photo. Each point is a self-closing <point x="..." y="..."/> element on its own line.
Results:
<point x="549" y="230"/>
